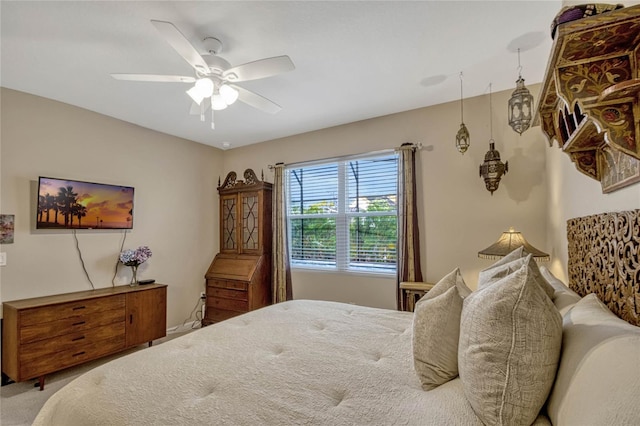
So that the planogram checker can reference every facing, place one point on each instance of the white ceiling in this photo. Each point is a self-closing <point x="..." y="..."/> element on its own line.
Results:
<point x="354" y="60"/>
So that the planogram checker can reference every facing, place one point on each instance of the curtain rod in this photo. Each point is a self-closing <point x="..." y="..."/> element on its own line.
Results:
<point x="404" y="146"/>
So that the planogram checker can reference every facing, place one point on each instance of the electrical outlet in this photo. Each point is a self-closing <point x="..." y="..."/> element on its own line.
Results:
<point x="203" y="295"/>
<point x="3" y="259"/>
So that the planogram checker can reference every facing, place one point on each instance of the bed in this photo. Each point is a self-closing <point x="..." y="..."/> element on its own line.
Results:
<point x="326" y="363"/>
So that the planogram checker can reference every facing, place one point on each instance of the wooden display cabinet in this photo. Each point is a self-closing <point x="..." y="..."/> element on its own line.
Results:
<point x="239" y="278"/>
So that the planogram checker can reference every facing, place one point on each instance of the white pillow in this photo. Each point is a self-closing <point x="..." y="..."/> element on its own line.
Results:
<point x="563" y="297"/>
<point x="598" y="380"/>
<point x="510" y="337"/>
<point x="500" y="270"/>
<point x="436" y="329"/>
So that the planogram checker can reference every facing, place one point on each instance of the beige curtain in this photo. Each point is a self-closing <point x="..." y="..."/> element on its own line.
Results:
<point x="281" y="281"/>
<point x="408" y="236"/>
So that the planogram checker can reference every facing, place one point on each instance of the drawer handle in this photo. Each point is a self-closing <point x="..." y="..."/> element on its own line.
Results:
<point x="77" y="338"/>
<point x="79" y="307"/>
<point x="79" y="323"/>
<point x="79" y="353"/>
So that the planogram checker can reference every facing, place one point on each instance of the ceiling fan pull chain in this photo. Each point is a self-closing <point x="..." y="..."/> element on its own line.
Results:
<point x="213" y="126"/>
<point x="201" y="111"/>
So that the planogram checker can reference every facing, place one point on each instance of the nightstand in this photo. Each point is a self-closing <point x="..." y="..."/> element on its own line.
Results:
<point x="412" y="292"/>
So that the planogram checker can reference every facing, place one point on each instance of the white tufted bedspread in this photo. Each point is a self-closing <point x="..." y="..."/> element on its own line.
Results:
<point x="295" y="363"/>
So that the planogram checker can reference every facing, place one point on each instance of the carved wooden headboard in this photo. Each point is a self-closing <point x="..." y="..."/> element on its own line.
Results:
<point x="604" y="258"/>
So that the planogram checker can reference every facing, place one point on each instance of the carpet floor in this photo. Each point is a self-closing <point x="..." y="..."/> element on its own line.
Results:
<point x="21" y="402"/>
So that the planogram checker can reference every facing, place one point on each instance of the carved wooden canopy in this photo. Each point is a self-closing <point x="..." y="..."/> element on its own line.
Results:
<point x="590" y="96"/>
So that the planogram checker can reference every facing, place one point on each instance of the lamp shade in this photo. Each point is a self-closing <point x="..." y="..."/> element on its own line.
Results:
<point x="217" y="102"/>
<point x="229" y="94"/>
<point x="509" y="241"/>
<point x="195" y="94"/>
<point x="205" y="87"/>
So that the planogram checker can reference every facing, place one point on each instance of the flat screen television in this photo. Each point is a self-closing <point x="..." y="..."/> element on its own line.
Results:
<point x="73" y="204"/>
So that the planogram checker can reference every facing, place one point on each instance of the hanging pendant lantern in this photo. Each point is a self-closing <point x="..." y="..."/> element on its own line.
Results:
<point x="463" y="140"/>
<point x="492" y="169"/>
<point x="520" y="104"/>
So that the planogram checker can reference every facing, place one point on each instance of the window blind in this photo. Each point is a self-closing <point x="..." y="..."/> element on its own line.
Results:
<point x="343" y="214"/>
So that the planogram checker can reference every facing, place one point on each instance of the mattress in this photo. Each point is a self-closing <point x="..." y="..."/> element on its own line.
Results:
<point x="298" y="362"/>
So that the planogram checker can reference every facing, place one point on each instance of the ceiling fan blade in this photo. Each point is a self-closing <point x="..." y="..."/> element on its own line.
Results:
<point x="181" y="45"/>
<point x="256" y="101"/>
<point x="154" y="78"/>
<point x="259" y="69"/>
<point x="195" y="109"/>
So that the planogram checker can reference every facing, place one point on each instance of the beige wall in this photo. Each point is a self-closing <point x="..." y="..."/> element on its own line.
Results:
<point x="572" y="194"/>
<point x="175" y="201"/>
<point x="459" y="216"/>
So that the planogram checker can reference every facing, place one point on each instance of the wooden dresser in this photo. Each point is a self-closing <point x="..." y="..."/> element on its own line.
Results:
<point x="47" y="334"/>
<point x="239" y="278"/>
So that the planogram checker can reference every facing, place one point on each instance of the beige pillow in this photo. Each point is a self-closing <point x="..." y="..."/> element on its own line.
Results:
<point x="598" y="380"/>
<point x="510" y="337"/>
<point x="514" y="255"/>
<point x="436" y="329"/>
<point x="453" y="278"/>
<point x="499" y="271"/>
<point x="563" y="297"/>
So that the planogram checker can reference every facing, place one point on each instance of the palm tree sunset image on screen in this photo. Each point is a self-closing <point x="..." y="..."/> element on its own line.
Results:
<point x="71" y="204"/>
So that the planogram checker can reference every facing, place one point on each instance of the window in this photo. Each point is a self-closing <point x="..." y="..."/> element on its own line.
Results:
<point x="342" y="214"/>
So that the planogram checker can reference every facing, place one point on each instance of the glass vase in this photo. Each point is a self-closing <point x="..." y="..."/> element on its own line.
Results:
<point x="134" y="276"/>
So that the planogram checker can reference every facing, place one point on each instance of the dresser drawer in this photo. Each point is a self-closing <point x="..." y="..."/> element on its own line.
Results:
<point x="44" y="364"/>
<point x="230" y="284"/>
<point x="228" y="304"/>
<point x="218" y="315"/>
<point x="45" y="330"/>
<point x="228" y="294"/>
<point x="87" y="307"/>
<point x="53" y="346"/>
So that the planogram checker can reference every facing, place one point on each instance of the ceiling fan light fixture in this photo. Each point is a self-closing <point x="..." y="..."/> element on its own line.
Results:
<point x="229" y="94"/>
<point x="209" y="91"/>
<point x="205" y="87"/>
<point x="195" y="94"/>
<point x="217" y="102"/>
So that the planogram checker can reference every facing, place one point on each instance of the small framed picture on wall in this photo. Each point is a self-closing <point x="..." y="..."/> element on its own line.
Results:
<point x="6" y="228"/>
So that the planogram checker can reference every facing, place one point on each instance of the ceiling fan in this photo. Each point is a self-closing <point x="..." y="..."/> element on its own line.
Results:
<point x="214" y="82"/>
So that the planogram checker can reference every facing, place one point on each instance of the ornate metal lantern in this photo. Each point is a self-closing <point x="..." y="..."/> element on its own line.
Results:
<point x="463" y="139"/>
<point x="492" y="169"/>
<point x="520" y="104"/>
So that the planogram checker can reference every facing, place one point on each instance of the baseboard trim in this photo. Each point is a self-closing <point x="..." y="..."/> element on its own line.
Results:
<point x="183" y="327"/>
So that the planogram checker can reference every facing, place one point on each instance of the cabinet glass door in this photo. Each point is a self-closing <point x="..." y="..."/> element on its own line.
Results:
<point x="228" y="230"/>
<point x="250" y="224"/>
